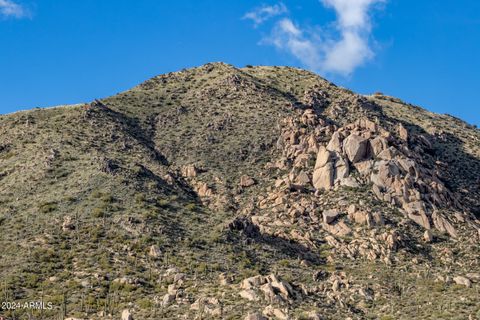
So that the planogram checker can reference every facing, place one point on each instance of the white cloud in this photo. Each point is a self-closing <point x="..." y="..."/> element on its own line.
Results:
<point x="322" y="52"/>
<point x="287" y="36"/>
<point x="9" y="8"/>
<point x="264" y="13"/>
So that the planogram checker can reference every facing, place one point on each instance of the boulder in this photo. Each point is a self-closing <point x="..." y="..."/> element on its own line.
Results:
<point x="323" y="177"/>
<point x="246" y="181"/>
<point x="402" y="132"/>
<point x="249" y="294"/>
<point x="189" y="171"/>
<point x="378" y="145"/>
<point x="203" y="190"/>
<point x="388" y="154"/>
<point x="338" y="228"/>
<point x="462" y="281"/>
<point x="323" y="157"/>
<point x="428" y="236"/>
<point x="342" y="170"/>
<point x="270" y="311"/>
<point x="302" y="179"/>
<point x="126" y="315"/>
<point x="67" y="224"/>
<point x="355" y="148"/>
<point x="335" y="144"/>
<point x="154" y="251"/>
<point x="329" y="216"/>
<point x="383" y="173"/>
<point x="168" y="299"/>
<point x="417" y="212"/>
<point x="324" y="172"/>
<point x="443" y="225"/>
<point x="284" y="288"/>
<point x="253" y="282"/>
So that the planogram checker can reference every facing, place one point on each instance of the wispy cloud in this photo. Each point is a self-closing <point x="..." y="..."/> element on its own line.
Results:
<point x="261" y="14"/>
<point x="320" y="50"/>
<point x="12" y="9"/>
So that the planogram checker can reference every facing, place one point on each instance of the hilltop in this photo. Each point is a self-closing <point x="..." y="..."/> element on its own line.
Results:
<point x="240" y="193"/>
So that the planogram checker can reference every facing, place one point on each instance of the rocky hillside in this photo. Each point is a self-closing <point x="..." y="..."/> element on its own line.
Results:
<point x="253" y="193"/>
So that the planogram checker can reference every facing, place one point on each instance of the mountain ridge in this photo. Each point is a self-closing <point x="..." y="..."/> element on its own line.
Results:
<point x="219" y="192"/>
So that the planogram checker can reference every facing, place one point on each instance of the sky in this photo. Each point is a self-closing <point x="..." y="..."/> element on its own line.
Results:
<point x="425" y="52"/>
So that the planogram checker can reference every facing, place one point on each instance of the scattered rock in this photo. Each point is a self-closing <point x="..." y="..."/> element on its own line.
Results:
<point x="246" y="181"/>
<point x="189" y="171"/>
<point x="462" y="281"/>
<point x="402" y="132"/>
<point x="168" y="299"/>
<point x="329" y="216"/>
<point x="67" y="224"/>
<point x="271" y="311"/>
<point x="428" y="236"/>
<point x="126" y="315"/>
<point x="154" y="251"/>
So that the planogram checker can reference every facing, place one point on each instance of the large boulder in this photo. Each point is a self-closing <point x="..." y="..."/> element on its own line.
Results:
<point x="335" y="144"/>
<point x="378" y="145"/>
<point x="355" y="147"/>
<point x="329" y="216"/>
<point x="323" y="177"/>
<point x="417" y="212"/>
<point x="324" y="171"/>
<point x="323" y="157"/>
<point x="342" y="170"/>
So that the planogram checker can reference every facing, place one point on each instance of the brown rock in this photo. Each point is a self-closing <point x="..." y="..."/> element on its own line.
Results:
<point x="246" y="181"/>
<point x="253" y="282"/>
<point x="335" y="144"/>
<point x="462" y="281"/>
<point x="378" y="145"/>
<point x="402" y="132"/>
<point x="355" y="148"/>
<point x="443" y="225"/>
<point x="428" y="236"/>
<point x="417" y="212"/>
<point x="203" y="190"/>
<point x="342" y="170"/>
<point x="323" y="157"/>
<point x="338" y="228"/>
<point x="249" y="294"/>
<point x="329" y="216"/>
<point x="270" y="311"/>
<point x="302" y="179"/>
<point x="323" y="177"/>
<point x="154" y="251"/>
<point x="189" y="171"/>
<point x="126" y="315"/>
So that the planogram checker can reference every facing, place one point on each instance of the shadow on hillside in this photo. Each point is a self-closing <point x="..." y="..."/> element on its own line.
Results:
<point x="287" y="247"/>
<point x="461" y="172"/>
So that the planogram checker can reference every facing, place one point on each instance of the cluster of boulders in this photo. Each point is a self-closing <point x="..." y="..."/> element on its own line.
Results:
<point x="271" y="288"/>
<point x="362" y="154"/>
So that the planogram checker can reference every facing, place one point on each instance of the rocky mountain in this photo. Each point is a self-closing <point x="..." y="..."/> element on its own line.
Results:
<point x="226" y="193"/>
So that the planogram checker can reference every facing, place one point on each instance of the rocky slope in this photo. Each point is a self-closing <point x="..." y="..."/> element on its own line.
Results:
<point x="218" y="192"/>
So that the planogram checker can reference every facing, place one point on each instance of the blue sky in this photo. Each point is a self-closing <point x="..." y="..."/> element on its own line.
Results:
<point x="60" y="52"/>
